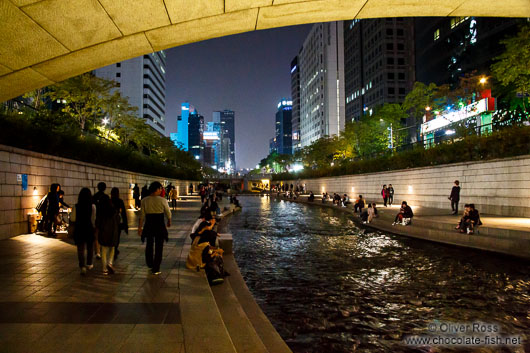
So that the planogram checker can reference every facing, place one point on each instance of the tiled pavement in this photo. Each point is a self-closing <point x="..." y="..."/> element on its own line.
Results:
<point x="47" y="306"/>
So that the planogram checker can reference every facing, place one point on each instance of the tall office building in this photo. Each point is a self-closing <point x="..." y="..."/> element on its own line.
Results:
<point x="378" y="63"/>
<point x="450" y="47"/>
<point x="212" y="145"/>
<point x="143" y="81"/>
<point x="195" y="135"/>
<point x="321" y="62"/>
<point x="295" y="94"/>
<point x="228" y="135"/>
<point x="181" y="138"/>
<point x="284" y="142"/>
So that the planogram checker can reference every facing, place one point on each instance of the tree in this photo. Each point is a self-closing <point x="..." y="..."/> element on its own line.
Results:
<point x="513" y="66"/>
<point x="423" y="97"/>
<point x="82" y="97"/>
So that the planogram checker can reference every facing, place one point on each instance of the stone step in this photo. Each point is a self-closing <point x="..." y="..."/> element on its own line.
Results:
<point x="263" y="327"/>
<point x="239" y="327"/>
<point x="202" y="323"/>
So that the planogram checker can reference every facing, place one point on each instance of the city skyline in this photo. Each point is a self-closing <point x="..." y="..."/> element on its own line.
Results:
<point x="259" y="60"/>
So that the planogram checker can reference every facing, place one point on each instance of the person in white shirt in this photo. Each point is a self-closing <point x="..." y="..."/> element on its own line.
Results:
<point x="84" y="219"/>
<point x="153" y="209"/>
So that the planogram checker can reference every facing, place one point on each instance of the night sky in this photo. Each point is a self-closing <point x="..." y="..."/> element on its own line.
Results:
<point x="248" y="73"/>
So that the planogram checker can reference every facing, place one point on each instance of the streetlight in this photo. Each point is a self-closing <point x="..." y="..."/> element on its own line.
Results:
<point x="427" y="108"/>
<point x="483" y="80"/>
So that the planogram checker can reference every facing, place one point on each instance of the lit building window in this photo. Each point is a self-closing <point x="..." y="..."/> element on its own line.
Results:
<point x="455" y="21"/>
<point x="437" y="34"/>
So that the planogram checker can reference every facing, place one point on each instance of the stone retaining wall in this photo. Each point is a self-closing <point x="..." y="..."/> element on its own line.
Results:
<point x="498" y="187"/>
<point x="43" y="170"/>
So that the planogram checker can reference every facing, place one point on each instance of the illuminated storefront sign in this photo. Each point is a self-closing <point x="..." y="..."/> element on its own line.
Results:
<point x="448" y="118"/>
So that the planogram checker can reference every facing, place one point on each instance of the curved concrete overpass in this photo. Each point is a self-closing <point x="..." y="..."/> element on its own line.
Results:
<point x="46" y="41"/>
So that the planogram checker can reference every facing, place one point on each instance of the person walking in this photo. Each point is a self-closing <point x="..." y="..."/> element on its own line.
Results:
<point x="107" y="224"/>
<point x="169" y="187"/>
<point x="152" y="213"/>
<point x="384" y="194"/>
<point x="455" y="196"/>
<point x="173" y="196"/>
<point x="52" y="211"/>
<point x="123" y="224"/>
<point x="98" y="198"/>
<point x="84" y="219"/>
<point x="136" y="196"/>
<point x="390" y="190"/>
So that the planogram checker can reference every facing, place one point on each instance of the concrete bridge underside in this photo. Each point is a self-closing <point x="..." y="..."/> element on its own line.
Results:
<point x="47" y="41"/>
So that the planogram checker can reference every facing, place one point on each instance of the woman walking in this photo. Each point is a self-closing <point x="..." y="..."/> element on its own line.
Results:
<point x="84" y="219"/>
<point x="384" y="194"/>
<point x="154" y="231"/>
<point x="119" y="207"/>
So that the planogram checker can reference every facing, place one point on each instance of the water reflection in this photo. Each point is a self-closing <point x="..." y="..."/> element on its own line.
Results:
<point x="329" y="286"/>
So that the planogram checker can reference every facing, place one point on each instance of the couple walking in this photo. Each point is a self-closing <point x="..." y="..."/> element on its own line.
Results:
<point x="388" y="194"/>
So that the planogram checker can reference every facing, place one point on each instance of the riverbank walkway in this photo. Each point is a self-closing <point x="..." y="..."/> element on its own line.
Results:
<point x="506" y="235"/>
<point x="47" y="306"/>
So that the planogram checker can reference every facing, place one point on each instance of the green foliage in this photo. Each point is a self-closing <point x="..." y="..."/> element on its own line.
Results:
<point x="84" y="98"/>
<point x="513" y="66"/>
<point x="510" y="142"/>
<point x="23" y="133"/>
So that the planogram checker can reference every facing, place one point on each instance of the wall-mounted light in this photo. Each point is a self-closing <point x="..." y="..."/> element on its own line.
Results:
<point x="35" y="191"/>
<point x="352" y="189"/>
<point x="410" y="189"/>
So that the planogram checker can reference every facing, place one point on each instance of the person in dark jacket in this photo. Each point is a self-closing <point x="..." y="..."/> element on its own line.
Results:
<point x="97" y="199"/>
<point x="119" y="206"/>
<point x="152" y="213"/>
<point x="455" y="197"/>
<point x="470" y="220"/>
<point x="84" y="218"/>
<point x="107" y="224"/>
<point x="359" y="204"/>
<point x="404" y="213"/>
<point x="136" y="196"/>
<point x="311" y="197"/>
<point x="390" y="191"/>
<point x="52" y="210"/>
<point x="145" y="191"/>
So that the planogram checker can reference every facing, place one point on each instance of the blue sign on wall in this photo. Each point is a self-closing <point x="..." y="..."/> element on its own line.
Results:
<point x="24" y="182"/>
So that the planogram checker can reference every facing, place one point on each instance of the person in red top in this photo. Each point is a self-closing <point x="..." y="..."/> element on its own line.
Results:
<point x="384" y="194"/>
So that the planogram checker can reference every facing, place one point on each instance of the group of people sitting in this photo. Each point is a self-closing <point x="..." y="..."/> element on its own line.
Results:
<point x="470" y="220"/>
<point x="205" y="252"/>
<point x="343" y="201"/>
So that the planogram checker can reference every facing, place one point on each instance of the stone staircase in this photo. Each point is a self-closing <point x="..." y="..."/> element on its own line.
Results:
<point x="225" y="317"/>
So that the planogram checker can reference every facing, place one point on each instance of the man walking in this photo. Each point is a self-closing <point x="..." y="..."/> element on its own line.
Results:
<point x="152" y="213"/>
<point x="455" y="197"/>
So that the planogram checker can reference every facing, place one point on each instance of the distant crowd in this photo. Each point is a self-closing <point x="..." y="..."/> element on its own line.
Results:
<point x="367" y="211"/>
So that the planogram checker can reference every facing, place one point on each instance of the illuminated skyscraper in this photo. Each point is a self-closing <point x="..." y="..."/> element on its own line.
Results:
<point x="321" y="65"/>
<point x="284" y="142"/>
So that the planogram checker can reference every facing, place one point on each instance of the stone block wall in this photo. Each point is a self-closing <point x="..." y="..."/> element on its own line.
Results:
<point x="43" y="170"/>
<point x="497" y="187"/>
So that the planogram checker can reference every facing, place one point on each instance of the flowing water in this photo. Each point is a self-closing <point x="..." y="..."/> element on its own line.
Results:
<point x="329" y="286"/>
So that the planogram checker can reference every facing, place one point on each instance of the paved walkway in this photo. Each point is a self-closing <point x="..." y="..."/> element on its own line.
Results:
<point x="47" y="306"/>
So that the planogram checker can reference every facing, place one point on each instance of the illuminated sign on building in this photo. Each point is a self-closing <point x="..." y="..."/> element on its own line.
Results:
<point x="285" y="103"/>
<point x="448" y="118"/>
<point x="210" y="135"/>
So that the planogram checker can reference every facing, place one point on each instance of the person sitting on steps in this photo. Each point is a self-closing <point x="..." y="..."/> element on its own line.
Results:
<point x="404" y="216"/>
<point x="470" y="220"/>
<point x="359" y="204"/>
